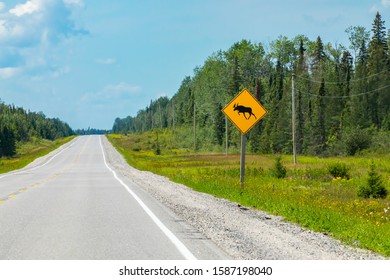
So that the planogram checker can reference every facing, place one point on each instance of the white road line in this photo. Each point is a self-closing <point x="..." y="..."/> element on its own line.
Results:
<point x="39" y="166"/>
<point x="179" y="245"/>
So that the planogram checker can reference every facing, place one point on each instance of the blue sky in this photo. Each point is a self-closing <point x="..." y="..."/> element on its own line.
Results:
<point x="90" y="61"/>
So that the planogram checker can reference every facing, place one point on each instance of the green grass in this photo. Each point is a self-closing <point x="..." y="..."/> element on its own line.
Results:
<point x="28" y="152"/>
<point x="308" y="196"/>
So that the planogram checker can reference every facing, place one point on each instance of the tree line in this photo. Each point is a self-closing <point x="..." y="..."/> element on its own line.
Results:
<point x="19" y="125"/>
<point x="342" y="95"/>
<point x="91" y="131"/>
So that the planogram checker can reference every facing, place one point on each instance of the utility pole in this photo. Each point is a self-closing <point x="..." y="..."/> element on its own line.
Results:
<point x="293" y="119"/>
<point x="194" y="126"/>
<point x="173" y="116"/>
<point x="151" y="115"/>
<point x="159" y="108"/>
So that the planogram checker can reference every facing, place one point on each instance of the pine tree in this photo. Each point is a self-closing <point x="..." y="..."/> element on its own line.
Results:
<point x="346" y="68"/>
<point x="357" y="116"/>
<point x="278" y="126"/>
<point x="378" y="39"/>
<point x="318" y="124"/>
<point x="363" y="55"/>
<point x="235" y="80"/>
<point x="378" y="103"/>
<point x="319" y="56"/>
<point x="301" y="57"/>
<point x="302" y="85"/>
<point x="219" y="125"/>
<point x="7" y="142"/>
<point x="255" y="134"/>
<point x="375" y="187"/>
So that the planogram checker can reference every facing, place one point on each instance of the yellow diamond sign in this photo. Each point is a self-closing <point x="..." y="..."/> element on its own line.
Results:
<point x="244" y="111"/>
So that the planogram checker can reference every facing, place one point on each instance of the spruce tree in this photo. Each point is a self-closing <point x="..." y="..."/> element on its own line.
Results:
<point x="378" y="39"/>
<point x="346" y="68"/>
<point x="235" y="80"/>
<point x="302" y="85"/>
<point x="255" y="134"/>
<point x="357" y="116"/>
<point x="318" y="124"/>
<point x="378" y="102"/>
<point x="7" y="142"/>
<point x="219" y="126"/>
<point x="319" y="55"/>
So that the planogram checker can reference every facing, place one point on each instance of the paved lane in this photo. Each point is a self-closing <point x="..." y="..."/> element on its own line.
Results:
<point x="74" y="206"/>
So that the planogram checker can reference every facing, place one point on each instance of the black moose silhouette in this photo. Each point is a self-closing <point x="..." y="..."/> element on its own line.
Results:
<point x="244" y="110"/>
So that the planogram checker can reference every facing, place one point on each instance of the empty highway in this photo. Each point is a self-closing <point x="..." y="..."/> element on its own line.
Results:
<point x="73" y="205"/>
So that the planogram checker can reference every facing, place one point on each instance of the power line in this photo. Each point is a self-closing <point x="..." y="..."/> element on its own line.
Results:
<point x="346" y="96"/>
<point x="336" y="83"/>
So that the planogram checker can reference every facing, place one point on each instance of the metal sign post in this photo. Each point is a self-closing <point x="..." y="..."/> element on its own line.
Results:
<point x="242" y="162"/>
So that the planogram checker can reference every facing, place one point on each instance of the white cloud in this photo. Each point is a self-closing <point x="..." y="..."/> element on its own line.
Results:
<point x="385" y="3"/>
<point x="8" y="72"/>
<point x="27" y="8"/>
<point x="7" y="32"/>
<point x="27" y="24"/>
<point x="111" y="94"/>
<point x="32" y="28"/>
<point x="74" y="2"/>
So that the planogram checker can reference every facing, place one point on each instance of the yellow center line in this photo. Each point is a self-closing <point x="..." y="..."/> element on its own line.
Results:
<point x="40" y="183"/>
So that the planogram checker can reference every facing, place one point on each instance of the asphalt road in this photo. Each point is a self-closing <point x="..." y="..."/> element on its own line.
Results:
<point x="74" y="206"/>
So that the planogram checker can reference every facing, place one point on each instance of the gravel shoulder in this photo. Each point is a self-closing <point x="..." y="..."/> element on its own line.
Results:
<point x="241" y="232"/>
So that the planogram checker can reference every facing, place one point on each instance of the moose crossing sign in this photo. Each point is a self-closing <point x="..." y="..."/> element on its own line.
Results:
<point x="244" y="111"/>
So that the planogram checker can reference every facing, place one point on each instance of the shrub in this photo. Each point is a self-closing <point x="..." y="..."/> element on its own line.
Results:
<point x="381" y="142"/>
<point x="279" y="171"/>
<point x="156" y="146"/>
<point x="356" y="140"/>
<point x="338" y="170"/>
<point x="157" y="150"/>
<point x="375" y="187"/>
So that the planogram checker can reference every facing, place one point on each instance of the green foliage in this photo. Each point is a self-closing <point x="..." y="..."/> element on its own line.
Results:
<point x="7" y="142"/>
<point x="375" y="187"/>
<point x="279" y="170"/>
<point x="19" y="126"/>
<point x="356" y="140"/>
<point x="338" y="170"/>
<point x="341" y="101"/>
<point x="27" y="152"/>
<point x="157" y="148"/>
<point x="381" y="142"/>
<point x="318" y="124"/>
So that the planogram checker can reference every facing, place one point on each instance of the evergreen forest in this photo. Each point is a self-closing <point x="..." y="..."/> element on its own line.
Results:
<point x="19" y="126"/>
<point x="342" y="96"/>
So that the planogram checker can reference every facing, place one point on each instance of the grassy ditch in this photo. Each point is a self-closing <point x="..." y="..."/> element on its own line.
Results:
<point x="28" y="152"/>
<point x="308" y="195"/>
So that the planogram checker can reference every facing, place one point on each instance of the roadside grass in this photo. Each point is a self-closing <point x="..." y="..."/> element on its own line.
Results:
<point x="28" y="152"/>
<point x="308" y="195"/>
